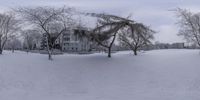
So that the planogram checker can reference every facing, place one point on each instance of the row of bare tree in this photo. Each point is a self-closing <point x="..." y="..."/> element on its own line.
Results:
<point x="130" y="33"/>
<point x="8" y="26"/>
<point x="31" y="23"/>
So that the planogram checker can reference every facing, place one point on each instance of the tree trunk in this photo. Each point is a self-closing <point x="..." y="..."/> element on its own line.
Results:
<point x="2" y="44"/>
<point x="49" y="53"/>
<point x="135" y="52"/>
<point x="109" y="52"/>
<point x="110" y="47"/>
<point x="1" y="50"/>
<point x="50" y="56"/>
<point x="49" y="50"/>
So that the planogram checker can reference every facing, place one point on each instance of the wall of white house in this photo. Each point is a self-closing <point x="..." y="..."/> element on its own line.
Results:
<point x="73" y="43"/>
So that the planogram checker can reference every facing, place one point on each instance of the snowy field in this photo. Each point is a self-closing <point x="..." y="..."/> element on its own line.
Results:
<point x="153" y="75"/>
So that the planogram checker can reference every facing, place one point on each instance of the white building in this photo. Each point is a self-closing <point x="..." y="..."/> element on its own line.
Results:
<point x="71" y="42"/>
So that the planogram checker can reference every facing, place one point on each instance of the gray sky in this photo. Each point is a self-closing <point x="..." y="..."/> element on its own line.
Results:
<point x="155" y="13"/>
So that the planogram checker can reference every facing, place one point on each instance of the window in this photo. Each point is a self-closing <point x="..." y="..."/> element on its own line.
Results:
<point x="67" y="39"/>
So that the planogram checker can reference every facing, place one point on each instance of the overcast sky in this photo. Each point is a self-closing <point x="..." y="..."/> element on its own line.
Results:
<point x="155" y="13"/>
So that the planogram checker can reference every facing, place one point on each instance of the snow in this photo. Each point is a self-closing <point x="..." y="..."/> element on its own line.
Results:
<point x="152" y="75"/>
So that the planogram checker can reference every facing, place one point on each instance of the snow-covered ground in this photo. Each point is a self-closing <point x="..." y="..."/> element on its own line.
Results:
<point x="153" y="75"/>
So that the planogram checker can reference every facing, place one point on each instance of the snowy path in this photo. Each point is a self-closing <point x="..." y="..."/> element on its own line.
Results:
<point x="154" y="75"/>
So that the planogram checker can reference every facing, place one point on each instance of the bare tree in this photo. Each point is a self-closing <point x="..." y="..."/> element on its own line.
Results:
<point x="52" y="21"/>
<point x="132" y="38"/>
<point x="189" y="25"/>
<point x="8" y="26"/>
